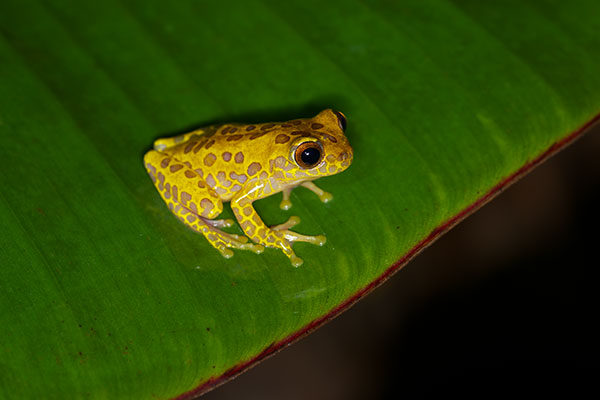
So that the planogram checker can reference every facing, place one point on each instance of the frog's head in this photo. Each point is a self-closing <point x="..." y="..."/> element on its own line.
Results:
<point x="320" y="148"/>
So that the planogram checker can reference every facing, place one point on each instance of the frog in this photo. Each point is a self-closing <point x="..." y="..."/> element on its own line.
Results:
<point x="196" y="172"/>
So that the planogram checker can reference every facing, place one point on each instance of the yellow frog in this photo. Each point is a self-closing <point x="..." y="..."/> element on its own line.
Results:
<point x="198" y="171"/>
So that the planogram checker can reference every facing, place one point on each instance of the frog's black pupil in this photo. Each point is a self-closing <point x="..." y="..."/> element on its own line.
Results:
<point x="310" y="156"/>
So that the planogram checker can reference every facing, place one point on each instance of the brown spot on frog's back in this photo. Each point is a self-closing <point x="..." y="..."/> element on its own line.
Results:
<point x="281" y="138"/>
<point x="250" y="128"/>
<point x="210" y="159"/>
<point x="226" y="156"/>
<point x="254" y="168"/>
<point x="175" y="168"/>
<point x="316" y="125"/>
<point x="165" y="162"/>
<point x="266" y="126"/>
<point x="189" y="147"/>
<point x="234" y="138"/>
<point x="239" y="157"/>
<point x="200" y="145"/>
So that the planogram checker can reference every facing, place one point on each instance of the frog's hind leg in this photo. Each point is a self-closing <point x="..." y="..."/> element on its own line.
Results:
<point x="193" y="202"/>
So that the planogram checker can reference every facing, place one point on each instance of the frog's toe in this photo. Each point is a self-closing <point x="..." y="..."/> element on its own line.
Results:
<point x="219" y="223"/>
<point x="292" y="236"/>
<point x="296" y="261"/>
<point x="239" y="238"/>
<point x="285" y="205"/>
<point x="326" y="197"/>
<point x="290" y="223"/>
<point x="255" y="248"/>
<point x="227" y="253"/>
<point x="320" y="240"/>
<point x="227" y="223"/>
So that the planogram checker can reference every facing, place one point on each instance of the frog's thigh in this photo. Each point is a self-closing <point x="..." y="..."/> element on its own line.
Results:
<point x="193" y="202"/>
<point x="182" y="188"/>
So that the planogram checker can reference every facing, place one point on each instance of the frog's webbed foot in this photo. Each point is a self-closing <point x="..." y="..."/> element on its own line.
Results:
<point x="290" y="223"/>
<point x="289" y="237"/>
<point x="286" y="204"/>
<point x="224" y="241"/>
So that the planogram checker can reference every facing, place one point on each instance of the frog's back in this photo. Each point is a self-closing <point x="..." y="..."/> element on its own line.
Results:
<point x="241" y="149"/>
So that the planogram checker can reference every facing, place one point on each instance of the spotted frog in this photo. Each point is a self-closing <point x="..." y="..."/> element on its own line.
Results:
<point x="198" y="171"/>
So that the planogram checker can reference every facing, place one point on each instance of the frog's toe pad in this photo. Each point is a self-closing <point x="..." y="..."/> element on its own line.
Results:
<point x="285" y="205"/>
<point x="320" y="240"/>
<point x="296" y="261"/>
<point x="326" y="197"/>
<point x="227" y="253"/>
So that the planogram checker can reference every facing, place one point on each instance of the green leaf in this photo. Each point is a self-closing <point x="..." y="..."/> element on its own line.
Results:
<point x="104" y="294"/>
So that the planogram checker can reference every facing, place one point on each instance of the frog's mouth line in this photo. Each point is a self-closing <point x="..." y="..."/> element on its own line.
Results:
<point x="435" y="234"/>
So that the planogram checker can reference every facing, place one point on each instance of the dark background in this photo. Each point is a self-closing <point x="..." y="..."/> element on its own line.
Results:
<point x="506" y="302"/>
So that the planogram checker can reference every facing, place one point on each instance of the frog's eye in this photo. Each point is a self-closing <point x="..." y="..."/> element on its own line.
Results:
<point x="308" y="154"/>
<point x="341" y="120"/>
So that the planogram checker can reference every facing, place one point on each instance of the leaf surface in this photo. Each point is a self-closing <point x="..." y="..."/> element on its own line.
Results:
<point x="104" y="294"/>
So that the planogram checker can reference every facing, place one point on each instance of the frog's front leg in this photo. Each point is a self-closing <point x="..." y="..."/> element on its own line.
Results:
<point x="286" y="204"/>
<point x="279" y="236"/>
<point x="193" y="202"/>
